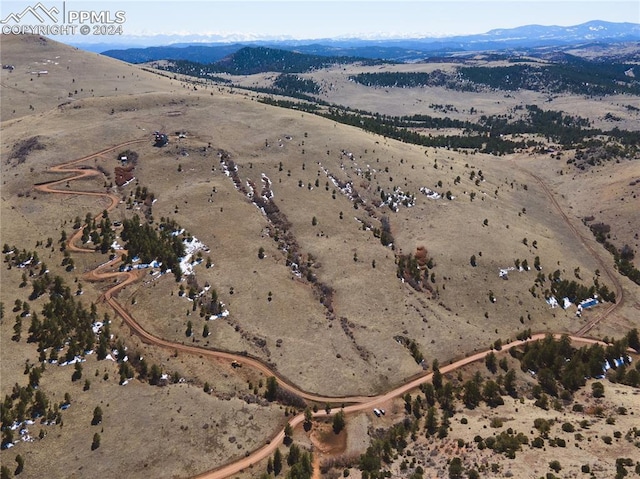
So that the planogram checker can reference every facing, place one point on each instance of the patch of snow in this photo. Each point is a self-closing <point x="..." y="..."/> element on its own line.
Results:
<point x="223" y="314"/>
<point x="432" y="195"/>
<point x="398" y="198"/>
<point x="553" y="302"/>
<point x="77" y="359"/>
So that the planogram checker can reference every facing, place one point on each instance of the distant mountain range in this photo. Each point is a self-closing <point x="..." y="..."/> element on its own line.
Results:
<point x="401" y="50"/>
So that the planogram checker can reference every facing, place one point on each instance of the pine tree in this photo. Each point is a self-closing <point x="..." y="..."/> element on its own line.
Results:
<point x="97" y="416"/>
<point x="272" y="389"/>
<point x="455" y="468"/>
<point x="294" y="455"/>
<point x="156" y="374"/>
<point x="431" y="421"/>
<point x="288" y="433"/>
<point x="96" y="442"/>
<point x="510" y="383"/>
<point x="20" y="466"/>
<point x="277" y="462"/>
<point x="77" y="373"/>
<point x="308" y="418"/>
<point x="5" y="473"/>
<point x="437" y="376"/>
<point x="471" y="395"/>
<point x="490" y="362"/>
<point x="338" y="422"/>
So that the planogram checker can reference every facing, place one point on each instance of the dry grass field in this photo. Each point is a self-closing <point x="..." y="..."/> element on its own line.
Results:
<point x="599" y="431"/>
<point x="87" y="103"/>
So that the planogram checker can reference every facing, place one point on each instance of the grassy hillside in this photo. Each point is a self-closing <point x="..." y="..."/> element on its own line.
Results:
<point x="338" y="265"/>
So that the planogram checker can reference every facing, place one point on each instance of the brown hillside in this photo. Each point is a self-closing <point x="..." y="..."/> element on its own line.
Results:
<point x="290" y="209"/>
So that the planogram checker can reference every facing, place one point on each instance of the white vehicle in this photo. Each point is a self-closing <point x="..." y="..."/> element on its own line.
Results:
<point x="377" y="412"/>
<point x="382" y="411"/>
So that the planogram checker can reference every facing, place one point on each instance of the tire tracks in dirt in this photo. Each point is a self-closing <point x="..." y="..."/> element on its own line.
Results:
<point x="612" y="275"/>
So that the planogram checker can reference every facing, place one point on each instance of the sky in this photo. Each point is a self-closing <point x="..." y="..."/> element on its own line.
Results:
<point x="309" y="19"/>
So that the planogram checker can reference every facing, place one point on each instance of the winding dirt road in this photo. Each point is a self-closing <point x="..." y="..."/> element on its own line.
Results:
<point x="354" y="403"/>
<point x="370" y="403"/>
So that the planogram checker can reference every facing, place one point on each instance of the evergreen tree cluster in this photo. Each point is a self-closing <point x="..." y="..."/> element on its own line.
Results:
<point x="149" y="244"/>
<point x="415" y="271"/>
<point x="555" y="362"/>
<point x="15" y="257"/>
<point x="289" y="83"/>
<point x="405" y="79"/>
<point x="572" y="75"/>
<point x="27" y="403"/>
<point x="564" y="288"/>
<point x="623" y="257"/>
<point x="489" y="135"/>
<point x="194" y="69"/>
<point x="101" y="234"/>
<point x="384" y="447"/>
<point x="559" y="366"/>
<point x="65" y="322"/>
<point x="299" y="461"/>
<point x="251" y="60"/>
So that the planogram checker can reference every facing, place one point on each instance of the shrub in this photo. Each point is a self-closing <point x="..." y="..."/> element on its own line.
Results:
<point x="496" y="422"/>
<point x="555" y="466"/>
<point x="559" y="442"/>
<point x="597" y="389"/>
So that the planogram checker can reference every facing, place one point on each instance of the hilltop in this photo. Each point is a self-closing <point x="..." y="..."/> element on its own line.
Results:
<point x="344" y="260"/>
